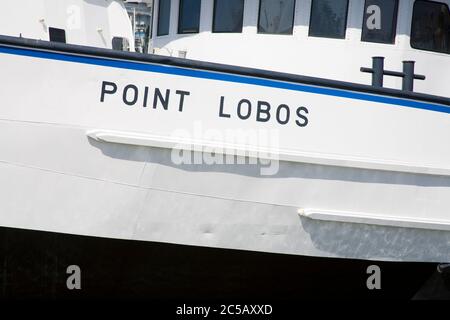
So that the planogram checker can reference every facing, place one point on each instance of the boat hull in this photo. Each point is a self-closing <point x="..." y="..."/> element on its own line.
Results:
<point x="78" y="186"/>
<point x="97" y="146"/>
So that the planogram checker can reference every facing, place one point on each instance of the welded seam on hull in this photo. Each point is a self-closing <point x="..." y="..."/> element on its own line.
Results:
<point x="144" y="187"/>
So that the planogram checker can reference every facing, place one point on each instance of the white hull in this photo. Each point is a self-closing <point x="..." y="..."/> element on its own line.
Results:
<point x="391" y="163"/>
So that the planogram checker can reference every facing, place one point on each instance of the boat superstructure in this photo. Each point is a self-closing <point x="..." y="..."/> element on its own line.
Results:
<point x="96" y="23"/>
<point x="320" y="38"/>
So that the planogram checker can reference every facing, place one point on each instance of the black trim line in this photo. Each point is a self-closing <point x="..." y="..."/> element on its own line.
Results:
<point x="215" y="67"/>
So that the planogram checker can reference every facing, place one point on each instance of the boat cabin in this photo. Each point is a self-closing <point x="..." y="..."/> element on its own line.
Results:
<point x="96" y="23"/>
<point x="332" y="39"/>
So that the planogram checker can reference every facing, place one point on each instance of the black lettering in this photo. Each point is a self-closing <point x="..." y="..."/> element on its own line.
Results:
<point x="164" y="101"/>
<point x="249" y="109"/>
<point x="263" y="109"/>
<point x="304" y="118"/>
<point x="106" y="91"/>
<point x="288" y="114"/>
<point x="125" y="95"/>
<point x="145" y="97"/>
<point x="182" y="94"/>
<point x="221" y="113"/>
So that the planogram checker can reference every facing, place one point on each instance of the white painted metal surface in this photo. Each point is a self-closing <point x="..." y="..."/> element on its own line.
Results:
<point x="86" y="22"/>
<point x="55" y="178"/>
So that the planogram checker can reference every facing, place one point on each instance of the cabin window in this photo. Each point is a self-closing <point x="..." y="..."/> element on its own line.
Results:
<point x="189" y="16"/>
<point x="121" y="44"/>
<point x="276" y="17"/>
<point x="431" y="26"/>
<point x="228" y="15"/>
<point x="57" y="35"/>
<point x="380" y="21"/>
<point x="328" y="18"/>
<point x="163" y="17"/>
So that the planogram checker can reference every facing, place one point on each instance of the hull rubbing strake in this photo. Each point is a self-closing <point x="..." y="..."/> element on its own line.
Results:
<point x="373" y="219"/>
<point x="146" y="140"/>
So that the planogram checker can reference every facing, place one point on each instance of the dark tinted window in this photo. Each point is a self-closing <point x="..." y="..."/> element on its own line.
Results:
<point x="189" y="16"/>
<point x="57" y="35"/>
<point x="431" y="27"/>
<point x="119" y="43"/>
<point x="276" y="17"/>
<point x="228" y="15"/>
<point x="380" y="21"/>
<point x="328" y="18"/>
<point x="163" y="17"/>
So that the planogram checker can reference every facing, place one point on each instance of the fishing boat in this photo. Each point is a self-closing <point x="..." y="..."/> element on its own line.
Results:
<point x="310" y="129"/>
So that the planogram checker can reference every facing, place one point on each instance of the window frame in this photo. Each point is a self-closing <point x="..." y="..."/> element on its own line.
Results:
<point x="412" y="24"/>
<point x="394" y="30"/>
<point x="326" y="37"/>
<point x="158" y="34"/>
<point x="180" y="8"/>
<point x="153" y="21"/>
<point x="281" y="34"/>
<point x="50" y="31"/>
<point x="214" y="19"/>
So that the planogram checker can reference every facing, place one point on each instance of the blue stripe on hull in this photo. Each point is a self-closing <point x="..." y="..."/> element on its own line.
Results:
<point x="147" y="67"/>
